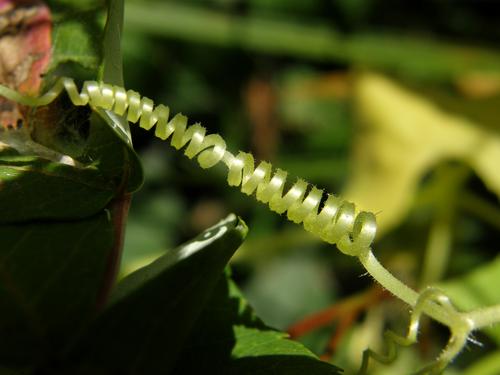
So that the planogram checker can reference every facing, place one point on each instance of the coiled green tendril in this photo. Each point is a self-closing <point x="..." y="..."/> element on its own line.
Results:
<point x="460" y="330"/>
<point x="336" y="222"/>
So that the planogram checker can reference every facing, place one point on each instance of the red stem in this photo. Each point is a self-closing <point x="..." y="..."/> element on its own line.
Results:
<point x="119" y="213"/>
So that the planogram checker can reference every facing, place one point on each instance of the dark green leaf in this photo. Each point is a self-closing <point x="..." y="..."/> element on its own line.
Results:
<point x="50" y="277"/>
<point x="230" y="339"/>
<point x="33" y="188"/>
<point x="115" y="154"/>
<point x="153" y="310"/>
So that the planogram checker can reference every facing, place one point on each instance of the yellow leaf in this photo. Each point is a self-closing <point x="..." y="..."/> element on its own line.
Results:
<point x="403" y="135"/>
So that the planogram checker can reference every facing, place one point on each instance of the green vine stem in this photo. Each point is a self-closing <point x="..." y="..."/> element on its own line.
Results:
<point x="335" y="220"/>
<point x="484" y="317"/>
<point x="447" y="189"/>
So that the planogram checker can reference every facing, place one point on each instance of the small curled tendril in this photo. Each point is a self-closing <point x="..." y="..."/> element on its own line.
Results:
<point x="460" y="330"/>
<point x="335" y="221"/>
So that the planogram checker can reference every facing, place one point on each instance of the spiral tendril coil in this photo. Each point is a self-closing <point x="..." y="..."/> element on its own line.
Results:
<point x="335" y="221"/>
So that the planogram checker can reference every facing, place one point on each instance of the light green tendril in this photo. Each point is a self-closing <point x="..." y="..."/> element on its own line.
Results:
<point x="335" y="221"/>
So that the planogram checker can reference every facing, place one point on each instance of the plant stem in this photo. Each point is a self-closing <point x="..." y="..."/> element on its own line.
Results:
<point x="484" y="317"/>
<point x="438" y="248"/>
<point x="448" y="181"/>
<point x="387" y="280"/>
<point x="119" y="208"/>
<point x="399" y="289"/>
